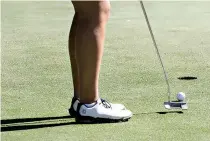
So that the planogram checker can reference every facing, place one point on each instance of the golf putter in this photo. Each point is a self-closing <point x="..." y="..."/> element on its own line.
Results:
<point x="169" y="104"/>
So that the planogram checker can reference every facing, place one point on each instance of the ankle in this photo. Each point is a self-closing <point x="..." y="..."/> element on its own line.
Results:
<point x="89" y="101"/>
<point x="76" y="95"/>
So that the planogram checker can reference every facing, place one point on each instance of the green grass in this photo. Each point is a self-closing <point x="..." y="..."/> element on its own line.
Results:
<point x="36" y="73"/>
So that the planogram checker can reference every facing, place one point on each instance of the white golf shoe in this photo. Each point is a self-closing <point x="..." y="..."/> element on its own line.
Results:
<point x="101" y="112"/>
<point x="75" y="102"/>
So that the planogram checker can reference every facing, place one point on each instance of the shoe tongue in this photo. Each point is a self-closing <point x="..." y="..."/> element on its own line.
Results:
<point x="105" y="103"/>
<point x="99" y="100"/>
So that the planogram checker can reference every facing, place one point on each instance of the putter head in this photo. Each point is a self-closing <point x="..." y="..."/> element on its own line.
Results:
<point x="176" y="105"/>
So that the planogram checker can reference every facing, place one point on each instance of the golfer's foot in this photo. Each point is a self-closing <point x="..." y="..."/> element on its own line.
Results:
<point x="101" y="113"/>
<point x="75" y="102"/>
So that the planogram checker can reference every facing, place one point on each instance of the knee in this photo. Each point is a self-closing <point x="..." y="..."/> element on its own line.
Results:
<point x="104" y="11"/>
<point x="93" y="12"/>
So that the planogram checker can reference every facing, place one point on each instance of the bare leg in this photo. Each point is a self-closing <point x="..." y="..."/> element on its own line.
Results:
<point x="72" y="53"/>
<point x="90" y="35"/>
<point x="89" y="43"/>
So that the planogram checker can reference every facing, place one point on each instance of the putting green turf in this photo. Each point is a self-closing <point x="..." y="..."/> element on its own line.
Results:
<point x="36" y="74"/>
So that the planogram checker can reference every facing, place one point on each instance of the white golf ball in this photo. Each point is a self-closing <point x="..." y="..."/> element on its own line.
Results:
<point x="181" y="96"/>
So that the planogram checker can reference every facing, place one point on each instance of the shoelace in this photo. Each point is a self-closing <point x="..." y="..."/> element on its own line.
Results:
<point x="106" y="104"/>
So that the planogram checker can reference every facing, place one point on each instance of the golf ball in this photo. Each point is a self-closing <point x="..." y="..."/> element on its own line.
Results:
<point x="181" y="96"/>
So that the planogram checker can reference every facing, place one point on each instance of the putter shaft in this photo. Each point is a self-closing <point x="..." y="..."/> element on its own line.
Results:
<point x="157" y="50"/>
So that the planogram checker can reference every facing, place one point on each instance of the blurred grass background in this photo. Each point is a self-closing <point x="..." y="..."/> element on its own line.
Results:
<point x="36" y="74"/>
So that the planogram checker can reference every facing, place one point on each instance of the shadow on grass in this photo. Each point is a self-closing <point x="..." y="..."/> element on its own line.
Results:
<point x="178" y="112"/>
<point x="161" y="113"/>
<point x="43" y="122"/>
<point x="34" y="123"/>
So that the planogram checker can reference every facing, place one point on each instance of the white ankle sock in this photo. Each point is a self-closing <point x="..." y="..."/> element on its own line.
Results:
<point x="91" y="104"/>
